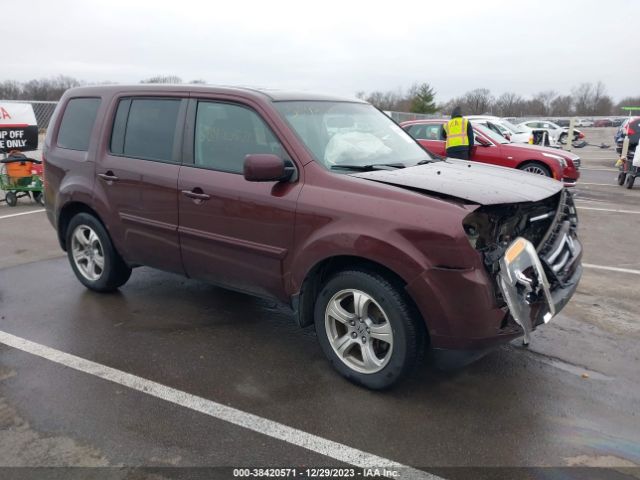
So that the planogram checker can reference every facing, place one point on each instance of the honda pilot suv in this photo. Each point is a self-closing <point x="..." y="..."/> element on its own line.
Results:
<point x="323" y="204"/>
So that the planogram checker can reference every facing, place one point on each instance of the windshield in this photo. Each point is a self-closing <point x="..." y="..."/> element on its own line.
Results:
<point x="490" y="134"/>
<point x="510" y="126"/>
<point x="354" y="134"/>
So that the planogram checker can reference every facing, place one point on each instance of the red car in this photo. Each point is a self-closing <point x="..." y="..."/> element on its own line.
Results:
<point x="494" y="149"/>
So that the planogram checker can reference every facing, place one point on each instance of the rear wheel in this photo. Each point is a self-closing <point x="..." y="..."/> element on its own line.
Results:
<point x="535" y="168"/>
<point x="11" y="198"/>
<point x="38" y="197"/>
<point x="621" y="178"/>
<point x="563" y="138"/>
<point x="367" y="329"/>
<point x="628" y="183"/>
<point x="93" y="258"/>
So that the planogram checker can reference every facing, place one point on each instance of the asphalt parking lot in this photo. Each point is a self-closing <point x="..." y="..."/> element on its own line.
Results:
<point x="571" y="399"/>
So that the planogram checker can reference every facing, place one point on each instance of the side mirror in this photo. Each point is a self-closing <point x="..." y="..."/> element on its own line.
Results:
<point x="265" y="167"/>
<point x="483" y="141"/>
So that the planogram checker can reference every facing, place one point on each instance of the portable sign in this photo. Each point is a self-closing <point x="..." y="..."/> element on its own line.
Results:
<point x="18" y="127"/>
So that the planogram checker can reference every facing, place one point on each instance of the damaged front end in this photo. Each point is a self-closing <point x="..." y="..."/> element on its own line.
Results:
<point x="532" y="253"/>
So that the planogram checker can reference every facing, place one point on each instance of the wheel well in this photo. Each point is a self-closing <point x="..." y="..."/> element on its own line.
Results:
<point x="304" y="302"/>
<point x="66" y="214"/>
<point x="537" y="162"/>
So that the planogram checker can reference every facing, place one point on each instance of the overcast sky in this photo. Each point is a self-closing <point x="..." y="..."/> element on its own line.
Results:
<point x="335" y="47"/>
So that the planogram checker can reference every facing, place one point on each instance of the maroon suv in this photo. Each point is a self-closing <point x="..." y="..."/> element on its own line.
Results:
<point x="321" y="203"/>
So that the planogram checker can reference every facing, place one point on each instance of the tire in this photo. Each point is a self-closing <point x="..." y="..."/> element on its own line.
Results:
<point x="88" y="245"/>
<point x="389" y="314"/>
<point x="11" y="198"/>
<point x="38" y="197"/>
<point x="628" y="183"/>
<point x="536" y="168"/>
<point x="563" y="138"/>
<point x="621" y="178"/>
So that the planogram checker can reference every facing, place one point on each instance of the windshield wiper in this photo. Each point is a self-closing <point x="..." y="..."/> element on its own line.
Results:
<point x="438" y="158"/>
<point x="372" y="166"/>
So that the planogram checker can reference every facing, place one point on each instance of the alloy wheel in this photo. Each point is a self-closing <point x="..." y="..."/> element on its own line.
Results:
<point x="87" y="251"/>
<point x="535" y="170"/>
<point x="359" y="331"/>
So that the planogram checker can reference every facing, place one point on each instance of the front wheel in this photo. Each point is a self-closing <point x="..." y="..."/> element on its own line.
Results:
<point x="93" y="258"/>
<point x="535" y="168"/>
<point x="38" y="197"/>
<point x="367" y="329"/>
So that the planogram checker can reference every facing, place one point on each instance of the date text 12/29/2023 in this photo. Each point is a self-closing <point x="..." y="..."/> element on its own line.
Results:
<point x="320" y="472"/>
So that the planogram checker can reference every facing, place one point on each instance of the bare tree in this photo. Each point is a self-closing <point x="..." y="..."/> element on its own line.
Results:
<point x="509" y="104"/>
<point x="477" y="101"/>
<point x="544" y="100"/>
<point x="590" y="99"/>
<point x="395" y="100"/>
<point x="47" y="88"/>
<point x="10" y="90"/>
<point x="163" y="79"/>
<point x="562" y="106"/>
<point x="582" y="98"/>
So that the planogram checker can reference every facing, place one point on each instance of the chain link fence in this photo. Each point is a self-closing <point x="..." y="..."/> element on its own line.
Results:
<point x="42" y="110"/>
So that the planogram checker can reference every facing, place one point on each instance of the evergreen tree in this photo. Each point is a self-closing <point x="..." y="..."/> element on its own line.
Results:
<point x="423" y="99"/>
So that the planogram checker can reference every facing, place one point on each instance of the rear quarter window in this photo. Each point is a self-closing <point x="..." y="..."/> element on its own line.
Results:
<point x="145" y="128"/>
<point x="77" y="123"/>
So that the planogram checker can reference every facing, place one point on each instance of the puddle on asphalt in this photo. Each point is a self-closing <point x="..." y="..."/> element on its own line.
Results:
<point x="577" y="370"/>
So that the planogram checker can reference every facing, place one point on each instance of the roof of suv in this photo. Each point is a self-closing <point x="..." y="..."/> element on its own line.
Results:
<point x="271" y="94"/>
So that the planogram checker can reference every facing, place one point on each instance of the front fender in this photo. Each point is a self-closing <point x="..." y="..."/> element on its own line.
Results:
<point x="406" y="262"/>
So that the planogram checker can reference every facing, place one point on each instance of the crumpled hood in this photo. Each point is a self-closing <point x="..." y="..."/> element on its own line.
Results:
<point x="470" y="181"/>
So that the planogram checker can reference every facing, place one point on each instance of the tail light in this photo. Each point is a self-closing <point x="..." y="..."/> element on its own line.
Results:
<point x="581" y="135"/>
<point x="630" y="131"/>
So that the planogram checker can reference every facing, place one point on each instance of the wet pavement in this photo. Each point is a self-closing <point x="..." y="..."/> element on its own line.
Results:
<point x="571" y="398"/>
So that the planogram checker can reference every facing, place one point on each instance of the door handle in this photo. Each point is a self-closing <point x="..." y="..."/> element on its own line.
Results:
<point x="195" y="194"/>
<point x="108" y="177"/>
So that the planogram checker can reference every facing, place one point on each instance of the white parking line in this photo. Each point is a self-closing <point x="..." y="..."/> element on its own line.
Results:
<point x="599" y="184"/>
<point x="613" y="269"/>
<point x="22" y="213"/>
<point x="600" y="169"/>
<point x="614" y="210"/>
<point x="279" y="431"/>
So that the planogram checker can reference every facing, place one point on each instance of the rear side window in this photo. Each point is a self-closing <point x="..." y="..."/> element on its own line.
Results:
<point x="77" y="123"/>
<point x="426" y="132"/>
<point x="146" y="128"/>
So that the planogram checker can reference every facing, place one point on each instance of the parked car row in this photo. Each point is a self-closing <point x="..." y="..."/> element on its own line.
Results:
<point x="492" y="148"/>
<point x="557" y="133"/>
<point x="542" y="132"/>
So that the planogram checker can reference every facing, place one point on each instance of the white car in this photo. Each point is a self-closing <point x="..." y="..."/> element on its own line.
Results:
<point x="502" y="127"/>
<point x="557" y="133"/>
<point x="583" y="122"/>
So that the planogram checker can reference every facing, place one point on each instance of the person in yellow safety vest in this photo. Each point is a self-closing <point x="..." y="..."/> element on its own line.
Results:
<point x="458" y="134"/>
